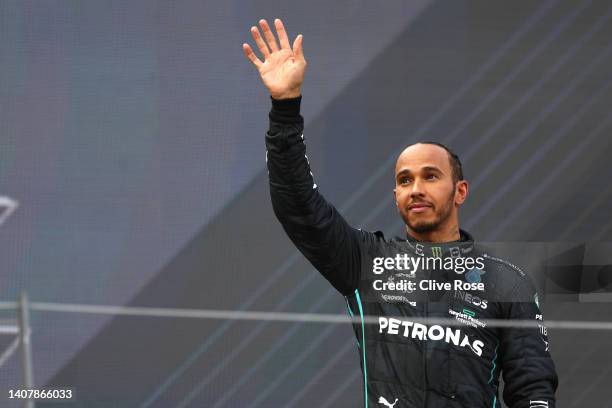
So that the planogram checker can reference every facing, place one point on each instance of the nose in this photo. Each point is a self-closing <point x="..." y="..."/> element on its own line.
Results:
<point x="417" y="189"/>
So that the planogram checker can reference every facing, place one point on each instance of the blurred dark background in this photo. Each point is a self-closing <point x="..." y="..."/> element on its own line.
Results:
<point x="132" y="137"/>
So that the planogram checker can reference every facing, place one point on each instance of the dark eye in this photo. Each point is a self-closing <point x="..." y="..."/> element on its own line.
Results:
<point x="432" y="177"/>
<point x="404" y="180"/>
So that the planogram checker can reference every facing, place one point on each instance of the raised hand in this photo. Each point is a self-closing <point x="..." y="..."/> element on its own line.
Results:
<point x="282" y="70"/>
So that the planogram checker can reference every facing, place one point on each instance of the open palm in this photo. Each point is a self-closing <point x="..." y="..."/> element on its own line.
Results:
<point x="283" y="68"/>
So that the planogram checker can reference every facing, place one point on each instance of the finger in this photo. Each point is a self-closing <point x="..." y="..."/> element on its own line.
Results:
<point x="282" y="34"/>
<point x="248" y="51"/>
<point x="261" y="44"/>
<point x="297" y="47"/>
<point x="268" y="35"/>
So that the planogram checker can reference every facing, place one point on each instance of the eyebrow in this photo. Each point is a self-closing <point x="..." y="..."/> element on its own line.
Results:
<point x="426" y="168"/>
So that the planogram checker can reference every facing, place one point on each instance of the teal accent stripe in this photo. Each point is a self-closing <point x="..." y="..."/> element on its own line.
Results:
<point x="469" y="312"/>
<point x="363" y="347"/>
<point x="348" y="307"/>
<point x="493" y="372"/>
<point x="494" y="365"/>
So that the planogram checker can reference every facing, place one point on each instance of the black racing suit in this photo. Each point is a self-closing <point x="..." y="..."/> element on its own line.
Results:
<point x="408" y="359"/>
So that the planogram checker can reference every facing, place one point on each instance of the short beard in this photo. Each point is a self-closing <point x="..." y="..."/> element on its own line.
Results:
<point x="443" y="215"/>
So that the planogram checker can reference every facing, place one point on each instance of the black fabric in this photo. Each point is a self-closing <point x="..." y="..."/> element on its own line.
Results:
<point x="409" y="364"/>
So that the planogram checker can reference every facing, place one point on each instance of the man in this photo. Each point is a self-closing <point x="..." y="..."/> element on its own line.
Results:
<point x="408" y="285"/>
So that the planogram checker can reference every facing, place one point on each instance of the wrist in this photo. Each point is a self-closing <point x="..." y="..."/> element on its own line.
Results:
<point x="287" y="95"/>
<point x="286" y="110"/>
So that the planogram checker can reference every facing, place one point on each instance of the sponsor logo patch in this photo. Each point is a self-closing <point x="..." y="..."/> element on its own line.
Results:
<point x="418" y="331"/>
<point x="471" y="299"/>
<point x="467" y="316"/>
<point x="397" y="299"/>
<point x="383" y="400"/>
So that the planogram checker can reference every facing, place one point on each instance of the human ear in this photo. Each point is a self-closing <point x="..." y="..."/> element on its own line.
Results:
<point x="461" y="192"/>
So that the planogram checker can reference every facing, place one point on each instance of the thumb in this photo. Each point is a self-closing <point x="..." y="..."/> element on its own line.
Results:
<point x="297" y="47"/>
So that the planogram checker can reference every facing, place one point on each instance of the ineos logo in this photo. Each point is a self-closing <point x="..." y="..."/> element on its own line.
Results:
<point x="472" y="299"/>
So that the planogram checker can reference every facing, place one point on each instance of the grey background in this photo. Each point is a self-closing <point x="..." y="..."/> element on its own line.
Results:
<point x="132" y="136"/>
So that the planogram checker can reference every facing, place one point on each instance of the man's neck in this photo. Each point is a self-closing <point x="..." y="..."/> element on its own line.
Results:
<point x="440" y="235"/>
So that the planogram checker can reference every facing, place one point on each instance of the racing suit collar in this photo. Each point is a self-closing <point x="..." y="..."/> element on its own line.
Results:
<point x="441" y="249"/>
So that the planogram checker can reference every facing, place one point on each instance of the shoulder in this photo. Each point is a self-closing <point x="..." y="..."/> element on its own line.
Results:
<point x="503" y="265"/>
<point x="373" y="236"/>
<point x="372" y="240"/>
<point x="376" y="243"/>
<point x="513" y="283"/>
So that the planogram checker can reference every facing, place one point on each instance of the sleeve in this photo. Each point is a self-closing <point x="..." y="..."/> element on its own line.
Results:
<point x="313" y="225"/>
<point x="528" y="370"/>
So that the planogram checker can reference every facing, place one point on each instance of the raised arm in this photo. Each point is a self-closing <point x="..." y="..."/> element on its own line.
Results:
<point x="313" y="224"/>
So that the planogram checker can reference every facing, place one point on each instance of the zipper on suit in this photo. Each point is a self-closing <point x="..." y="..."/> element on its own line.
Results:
<point x="425" y="344"/>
